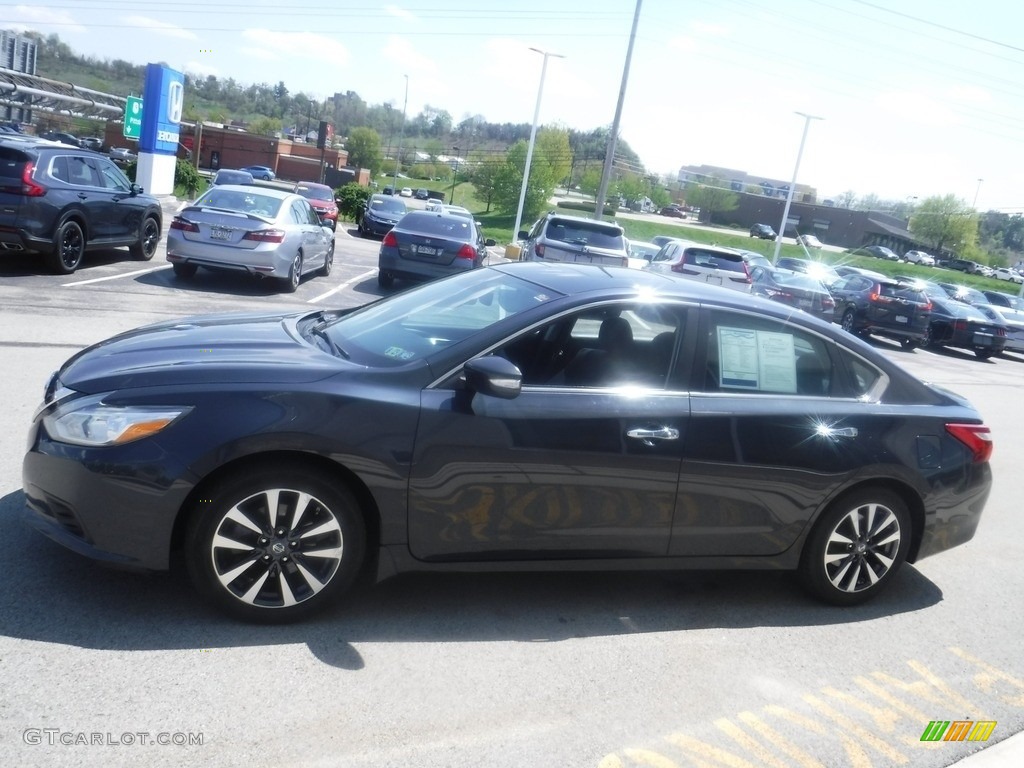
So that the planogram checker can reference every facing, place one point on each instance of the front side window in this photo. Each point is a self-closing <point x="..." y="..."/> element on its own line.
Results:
<point x="112" y="176"/>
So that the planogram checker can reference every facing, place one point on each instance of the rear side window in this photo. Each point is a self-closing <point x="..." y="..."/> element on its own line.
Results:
<point x="699" y="257"/>
<point x="585" y="233"/>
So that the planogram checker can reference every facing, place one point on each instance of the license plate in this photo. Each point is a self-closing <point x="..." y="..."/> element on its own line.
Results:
<point x="983" y="340"/>
<point x="804" y="303"/>
<point x="220" y="234"/>
<point x="424" y="250"/>
<point x="902" y="319"/>
<point x="714" y="280"/>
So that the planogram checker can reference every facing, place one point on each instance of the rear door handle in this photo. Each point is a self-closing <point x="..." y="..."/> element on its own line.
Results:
<point x="648" y="436"/>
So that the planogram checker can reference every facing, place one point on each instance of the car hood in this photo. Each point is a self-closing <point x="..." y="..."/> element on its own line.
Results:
<point x="251" y="348"/>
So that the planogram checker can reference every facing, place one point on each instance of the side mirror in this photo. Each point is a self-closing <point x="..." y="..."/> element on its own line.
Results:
<point x="523" y="234"/>
<point x="494" y="376"/>
<point x="136" y="189"/>
<point x="490" y="241"/>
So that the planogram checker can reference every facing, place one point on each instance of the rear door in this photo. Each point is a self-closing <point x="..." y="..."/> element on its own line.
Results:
<point x="12" y="166"/>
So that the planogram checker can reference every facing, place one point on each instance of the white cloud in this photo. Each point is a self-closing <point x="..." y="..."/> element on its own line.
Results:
<point x="161" y="27"/>
<point x="400" y="49"/>
<point x="302" y="45"/>
<point x="201" y="68"/>
<point x="31" y="17"/>
<point x="399" y="13"/>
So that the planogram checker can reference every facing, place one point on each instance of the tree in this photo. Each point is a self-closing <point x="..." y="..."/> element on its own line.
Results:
<point x="484" y="178"/>
<point x="711" y="196"/>
<point x="363" y="147"/>
<point x="265" y="126"/>
<point x="549" y="165"/>
<point x="846" y="199"/>
<point x="945" y="222"/>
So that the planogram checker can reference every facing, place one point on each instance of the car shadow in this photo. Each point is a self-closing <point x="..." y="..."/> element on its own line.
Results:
<point x="55" y="596"/>
<point x="215" y="282"/>
<point x="20" y="264"/>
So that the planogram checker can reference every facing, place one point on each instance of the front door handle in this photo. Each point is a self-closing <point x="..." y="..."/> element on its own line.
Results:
<point x="648" y="436"/>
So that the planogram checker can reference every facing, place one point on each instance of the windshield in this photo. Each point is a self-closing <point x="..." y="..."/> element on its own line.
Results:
<point x="415" y="324"/>
<point x="386" y="204"/>
<point x="317" y="193"/>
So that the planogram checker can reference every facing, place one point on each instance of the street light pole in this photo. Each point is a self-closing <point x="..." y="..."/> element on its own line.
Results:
<point x="792" y="186"/>
<point x="455" y="176"/>
<point x="976" y="191"/>
<point x="401" y="136"/>
<point x="533" y="138"/>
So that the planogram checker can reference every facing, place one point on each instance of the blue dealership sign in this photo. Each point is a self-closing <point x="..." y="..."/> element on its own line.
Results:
<point x="164" y="91"/>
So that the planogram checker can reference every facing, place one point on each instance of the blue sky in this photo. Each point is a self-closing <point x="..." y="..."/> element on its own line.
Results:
<point x="918" y="97"/>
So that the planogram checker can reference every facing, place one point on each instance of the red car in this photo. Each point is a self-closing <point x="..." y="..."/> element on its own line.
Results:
<point x="321" y="197"/>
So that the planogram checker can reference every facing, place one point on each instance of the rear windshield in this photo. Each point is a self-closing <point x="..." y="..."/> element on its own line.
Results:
<point x="797" y="280"/>
<point x="12" y="165"/>
<point x="585" y="233"/>
<point x="317" y="193"/>
<point x="896" y="291"/>
<point x="243" y="202"/>
<point x="699" y="257"/>
<point x="429" y="223"/>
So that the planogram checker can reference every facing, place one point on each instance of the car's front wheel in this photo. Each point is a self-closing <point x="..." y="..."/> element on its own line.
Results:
<point x="325" y="270"/>
<point x="983" y="353"/>
<point x="149" y="238"/>
<point x="385" y="279"/>
<point x="849" y="322"/>
<point x="909" y="344"/>
<point x="275" y="545"/>
<point x="68" y="248"/>
<point x="856" y="547"/>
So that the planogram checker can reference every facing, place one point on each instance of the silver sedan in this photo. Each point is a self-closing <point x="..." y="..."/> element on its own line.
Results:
<point x="260" y="231"/>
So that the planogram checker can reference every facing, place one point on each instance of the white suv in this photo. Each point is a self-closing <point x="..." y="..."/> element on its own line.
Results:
<point x="706" y="263"/>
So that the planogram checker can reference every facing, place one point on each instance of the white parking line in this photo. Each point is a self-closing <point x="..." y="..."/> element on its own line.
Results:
<point x="342" y="287"/>
<point x="115" y="277"/>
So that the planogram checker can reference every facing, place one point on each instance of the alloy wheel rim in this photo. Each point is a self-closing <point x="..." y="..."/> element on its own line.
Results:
<point x="71" y="246"/>
<point x="150" y="237"/>
<point x="862" y="547"/>
<point x="296" y="268"/>
<point x="277" y="548"/>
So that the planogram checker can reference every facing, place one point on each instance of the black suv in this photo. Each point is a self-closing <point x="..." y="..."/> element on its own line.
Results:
<point x="887" y="307"/>
<point x="61" y="201"/>
<point x="762" y="231"/>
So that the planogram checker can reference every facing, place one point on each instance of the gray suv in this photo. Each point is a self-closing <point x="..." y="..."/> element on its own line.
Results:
<point x="61" y="201"/>
<point x="559" y="238"/>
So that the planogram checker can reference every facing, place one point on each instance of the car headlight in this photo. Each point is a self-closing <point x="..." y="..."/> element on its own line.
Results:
<point x="93" y="423"/>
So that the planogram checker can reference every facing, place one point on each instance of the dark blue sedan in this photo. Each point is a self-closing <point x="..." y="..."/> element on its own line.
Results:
<point x="524" y="416"/>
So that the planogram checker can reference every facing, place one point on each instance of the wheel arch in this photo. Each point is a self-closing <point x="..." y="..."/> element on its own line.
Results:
<point x="77" y="216"/>
<point x="906" y="493"/>
<point x="276" y="460"/>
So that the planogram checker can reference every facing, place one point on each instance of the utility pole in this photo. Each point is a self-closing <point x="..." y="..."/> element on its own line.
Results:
<point x="614" y="137"/>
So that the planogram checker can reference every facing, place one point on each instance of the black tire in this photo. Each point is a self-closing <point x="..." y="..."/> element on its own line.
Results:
<point x="984" y="354"/>
<point x="184" y="271"/>
<point x="848" y="322"/>
<point x="325" y="270"/>
<point x="290" y="284"/>
<point x="856" y="547"/>
<point x="385" y="279"/>
<point x="909" y="344"/>
<point x="68" y="248"/>
<point x="149" y="238"/>
<point x="284" y="580"/>
<point x="926" y="340"/>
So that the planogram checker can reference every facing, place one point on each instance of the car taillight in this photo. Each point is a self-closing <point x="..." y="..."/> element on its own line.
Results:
<point x="539" y="250"/>
<point x="775" y="293"/>
<point x="466" y="252"/>
<point x="960" y="325"/>
<point x="183" y="224"/>
<point x="927" y="307"/>
<point x="265" y="235"/>
<point x="390" y="240"/>
<point x="977" y="438"/>
<point x="29" y="187"/>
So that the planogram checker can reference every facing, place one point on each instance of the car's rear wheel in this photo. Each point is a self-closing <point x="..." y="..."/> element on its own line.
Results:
<point x="275" y="545"/>
<point x="983" y="354"/>
<point x="149" y="238"/>
<point x="849" y="322"/>
<point x="290" y="284"/>
<point x="184" y="271"/>
<point x="927" y="340"/>
<point x="325" y="270"/>
<point x="385" y="279"/>
<point x="856" y="547"/>
<point x="68" y="248"/>
<point x="909" y="344"/>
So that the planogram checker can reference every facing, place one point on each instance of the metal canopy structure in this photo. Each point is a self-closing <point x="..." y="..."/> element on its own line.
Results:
<point x="42" y="94"/>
